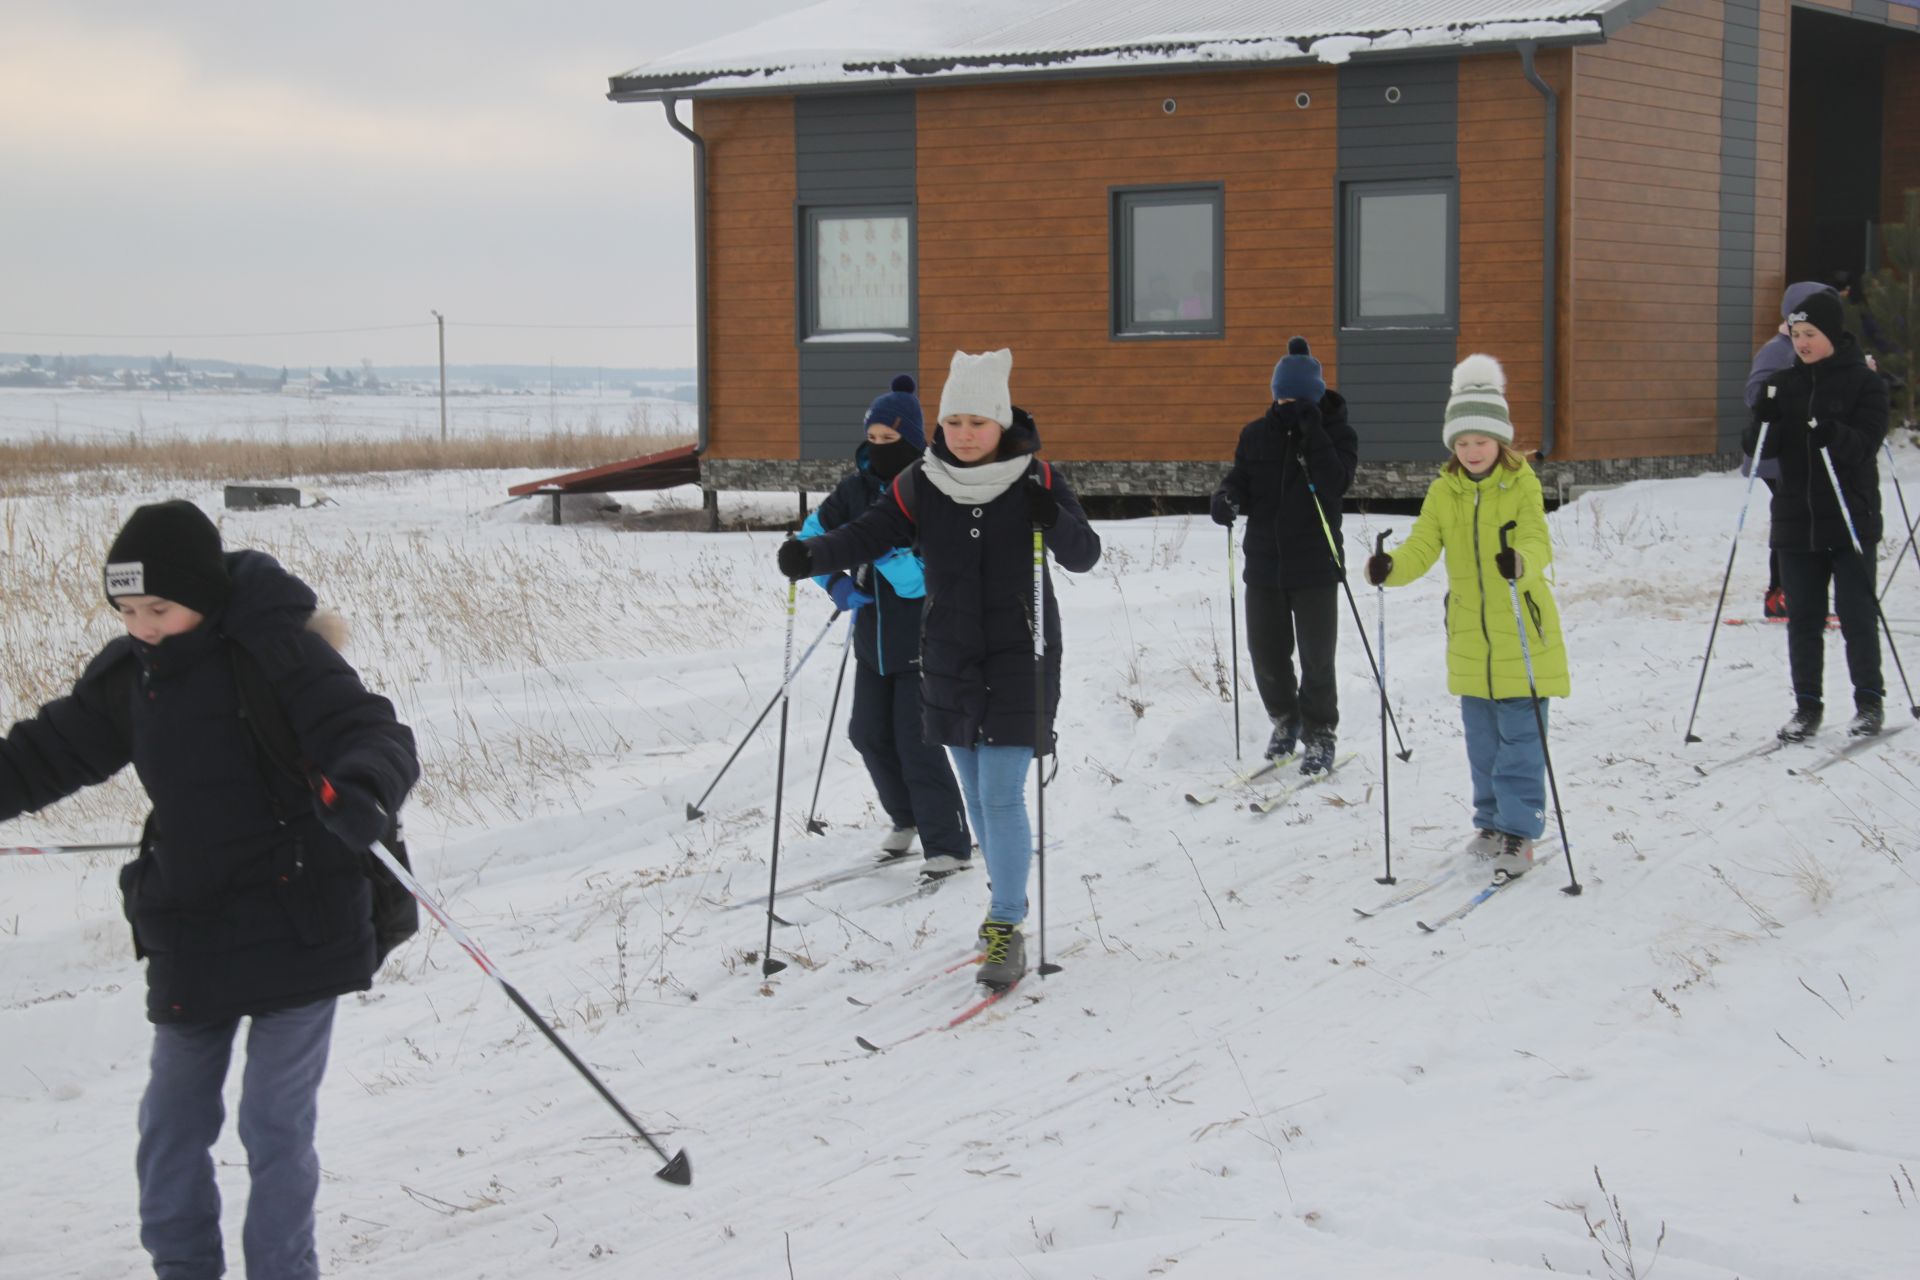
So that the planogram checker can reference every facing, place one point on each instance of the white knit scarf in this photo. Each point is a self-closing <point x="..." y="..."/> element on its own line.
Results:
<point x="976" y="485"/>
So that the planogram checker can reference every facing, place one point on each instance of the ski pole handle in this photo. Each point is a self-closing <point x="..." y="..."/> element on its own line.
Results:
<point x="1380" y="543"/>
<point x="1503" y="533"/>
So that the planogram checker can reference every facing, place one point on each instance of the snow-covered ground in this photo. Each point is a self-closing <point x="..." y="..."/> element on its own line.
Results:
<point x="155" y="416"/>
<point x="1233" y="1076"/>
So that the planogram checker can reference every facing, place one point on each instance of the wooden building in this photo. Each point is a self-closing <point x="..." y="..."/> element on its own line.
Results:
<point x="1145" y="200"/>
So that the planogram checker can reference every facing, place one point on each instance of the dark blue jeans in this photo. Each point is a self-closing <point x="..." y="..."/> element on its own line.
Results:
<point x="180" y="1117"/>
<point x="911" y="776"/>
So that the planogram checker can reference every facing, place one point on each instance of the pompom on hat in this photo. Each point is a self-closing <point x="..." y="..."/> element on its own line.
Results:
<point x="979" y="385"/>
<point x="170" y="550"/>
<point x="1478" y="402"/>
<point x="1297" y="376"/>
<point x="900" y="410"/>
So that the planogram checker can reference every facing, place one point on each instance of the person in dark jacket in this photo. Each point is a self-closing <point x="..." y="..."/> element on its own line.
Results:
<point x="249" y="898"/>
<point x="911" y="775"/>
<point x="1774" y="355"/>
<point x="1290" y="471"/>
<point x="1828" y="412"/>
<point x="972" y="505"/>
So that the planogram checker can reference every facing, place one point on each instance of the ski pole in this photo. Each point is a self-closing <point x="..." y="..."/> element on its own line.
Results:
<point x="676" y="1170"/>
<point x="1853" y="535"/>
<point x="1759" y="443"/>
<point x="44" y="850"/>
<point x="768" y="965"/>
<point x="1040" y="727"/>
<point x="1573" y="886"/>
<point x="814" y="825"/>
<point x="1386" y="777"/>
<point x="1233" y="624"/>
<point x="1905" y="518"/>
<point x="1359" y="626"/>
<point x="694" y="810"/>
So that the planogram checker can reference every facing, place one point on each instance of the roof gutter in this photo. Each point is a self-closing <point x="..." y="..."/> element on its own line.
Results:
<point x="699" y="270"/>
<point x="1549" y="252"/>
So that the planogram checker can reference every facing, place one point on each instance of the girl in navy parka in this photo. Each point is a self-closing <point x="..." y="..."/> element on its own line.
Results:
<point x="973" y="503"/>
<point x="911" y="775"/>
<point x="249" y="898"/>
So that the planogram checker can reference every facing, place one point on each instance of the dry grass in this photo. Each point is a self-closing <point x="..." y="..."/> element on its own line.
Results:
<point x="47" y="464"/>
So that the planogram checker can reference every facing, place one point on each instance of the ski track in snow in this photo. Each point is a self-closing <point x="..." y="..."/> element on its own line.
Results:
<point x="1723" y="1024"/>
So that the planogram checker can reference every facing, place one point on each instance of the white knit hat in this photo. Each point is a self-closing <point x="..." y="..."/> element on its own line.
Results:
<point x="1478" y="402"/>
<point x="978" y="385"/>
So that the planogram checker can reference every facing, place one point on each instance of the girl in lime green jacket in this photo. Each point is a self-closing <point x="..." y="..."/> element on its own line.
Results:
<point x="1483" y="488"/>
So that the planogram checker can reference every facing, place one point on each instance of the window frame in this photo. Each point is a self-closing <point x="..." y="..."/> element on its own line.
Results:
<point x="1352" y="191"/>
<point x="1121" y="200"/>
<point x="807" y="219"/>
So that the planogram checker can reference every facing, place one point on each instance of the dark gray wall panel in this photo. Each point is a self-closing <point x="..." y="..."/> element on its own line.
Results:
<point x="1396" y="380"/>
<point x="850" y="149"/>
<point x="1739" y="115"/>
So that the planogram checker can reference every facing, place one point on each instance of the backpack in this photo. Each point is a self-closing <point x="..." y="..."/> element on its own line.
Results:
<point x="396" y="916"/>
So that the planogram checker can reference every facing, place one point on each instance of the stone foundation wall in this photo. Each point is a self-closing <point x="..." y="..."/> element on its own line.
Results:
<point x="1561" y="479"/>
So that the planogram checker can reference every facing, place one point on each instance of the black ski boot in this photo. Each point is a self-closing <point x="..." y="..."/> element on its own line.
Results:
<point x="1805" y="723"/>
<point x="1316" y="756"/>
<point x="1869" y="718"/>
<point x="1286" y="736"/>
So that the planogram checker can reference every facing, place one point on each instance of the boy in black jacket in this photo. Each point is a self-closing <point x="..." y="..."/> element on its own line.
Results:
<point x="249" y="897"/>
<point x="1290" y="471"/>
<point x="1828" y="409"/>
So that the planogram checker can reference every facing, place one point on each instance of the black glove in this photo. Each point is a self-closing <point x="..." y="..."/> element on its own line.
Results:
<point x="1510" y="563"/>
<point x="1225" y="509"/>
<point x="1819" y="433"/>
<point x="351" y="811"/>
<point x="1043" y="509"/>
<point x="796" y="561"/>
<point x="1379" y="566"/>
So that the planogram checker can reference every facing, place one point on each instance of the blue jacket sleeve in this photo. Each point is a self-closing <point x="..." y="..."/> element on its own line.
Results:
<point x="870" y="535"/>
<point x="904" y="573"/>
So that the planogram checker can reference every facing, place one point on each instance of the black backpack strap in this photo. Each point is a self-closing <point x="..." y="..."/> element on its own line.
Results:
<point x="902" y="489"/>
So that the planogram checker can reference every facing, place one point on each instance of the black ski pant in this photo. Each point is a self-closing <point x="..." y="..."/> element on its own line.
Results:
<point x="1806" y="575"/>
<point x="913" y="779"/>
<point x="1280" y="621"/>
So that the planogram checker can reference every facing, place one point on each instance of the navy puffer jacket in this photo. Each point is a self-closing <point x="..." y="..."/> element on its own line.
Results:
<point x="976" y="646"/>
<point x="1849" y="402"/>
<point x="886" y="633"/>
<point x="241" y="901"/>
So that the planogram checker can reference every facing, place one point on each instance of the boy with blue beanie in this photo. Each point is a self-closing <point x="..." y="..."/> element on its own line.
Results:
<point x="1291" y="469"/>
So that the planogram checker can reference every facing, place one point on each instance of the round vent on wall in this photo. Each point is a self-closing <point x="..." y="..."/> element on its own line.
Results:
<point x="1169" y="106"/>
<point x="1303" y="100"/>
<point x="1393" y="93"/>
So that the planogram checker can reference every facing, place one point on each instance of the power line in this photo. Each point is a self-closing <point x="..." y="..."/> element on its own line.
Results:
<point x="284" y="333"/>
<point x="477" y="324"/>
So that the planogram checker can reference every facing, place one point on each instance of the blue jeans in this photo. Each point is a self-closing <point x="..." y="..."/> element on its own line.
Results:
<point x="180" y="1117"/>
<point x="994" y="780"/>
<point x="1509" y="765"/>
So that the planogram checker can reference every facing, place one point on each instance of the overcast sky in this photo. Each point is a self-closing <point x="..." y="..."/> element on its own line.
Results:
<point x="220" y="167"/>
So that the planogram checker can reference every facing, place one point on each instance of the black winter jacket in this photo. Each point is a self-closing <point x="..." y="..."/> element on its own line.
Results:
<point x="1848" y="402"/>
<point x="886" y="633"/>
<point x="241" y="901"/>
<point x="976" y="635"/>
<point x="1284" y="543"/>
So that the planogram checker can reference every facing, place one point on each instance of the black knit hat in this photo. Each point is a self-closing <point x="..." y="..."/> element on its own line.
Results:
<point x="1823" y="311"/>
<point x="170" y="550"/>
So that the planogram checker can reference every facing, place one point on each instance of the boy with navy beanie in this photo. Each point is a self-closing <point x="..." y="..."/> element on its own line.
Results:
<point x="1291" y="469"/>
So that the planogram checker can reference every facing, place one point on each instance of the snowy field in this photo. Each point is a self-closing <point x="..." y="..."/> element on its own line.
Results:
<point x="154" y="417"/>
<point x="1233" y="1076"/>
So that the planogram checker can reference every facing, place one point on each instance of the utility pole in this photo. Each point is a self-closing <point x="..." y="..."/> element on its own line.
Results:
<point x="442" y="322"/>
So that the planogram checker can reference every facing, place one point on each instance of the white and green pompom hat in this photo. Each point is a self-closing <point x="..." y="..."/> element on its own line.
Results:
<point x="1478" y="402"/>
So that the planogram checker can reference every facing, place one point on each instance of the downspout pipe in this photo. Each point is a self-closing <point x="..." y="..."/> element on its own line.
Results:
<point x="699" y="270"/>
<point x="1549" y="251"/>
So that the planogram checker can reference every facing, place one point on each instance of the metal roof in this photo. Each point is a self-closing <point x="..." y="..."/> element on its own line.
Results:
<point x="841" y="43"/>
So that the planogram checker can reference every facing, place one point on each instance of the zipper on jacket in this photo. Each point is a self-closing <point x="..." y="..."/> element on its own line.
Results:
<point x="1480" y="576"/>
<point x="879" y="623"/>
<point x="1813" y="532"/>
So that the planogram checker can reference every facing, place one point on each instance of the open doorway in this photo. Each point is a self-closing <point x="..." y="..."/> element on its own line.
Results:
<point x="1835" y="119"/>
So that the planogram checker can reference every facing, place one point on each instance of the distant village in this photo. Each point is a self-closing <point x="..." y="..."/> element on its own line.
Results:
<point x="165" y="373"/>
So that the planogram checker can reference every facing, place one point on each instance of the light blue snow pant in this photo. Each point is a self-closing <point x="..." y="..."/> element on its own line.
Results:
<point x="994" y="780"/>
<point x="180" y="1118"/>
<point x="1509" y="765"/>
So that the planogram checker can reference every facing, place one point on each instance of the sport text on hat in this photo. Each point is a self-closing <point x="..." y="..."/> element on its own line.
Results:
<point x="170" y="550"/>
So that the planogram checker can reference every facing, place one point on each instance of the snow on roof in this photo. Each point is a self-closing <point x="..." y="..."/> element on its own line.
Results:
<point x="853" y="42"/>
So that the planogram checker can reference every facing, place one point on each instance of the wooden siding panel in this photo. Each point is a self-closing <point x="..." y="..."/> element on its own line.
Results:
<point x="1900" y="128"/>
<point x="1013" y="201"/>
<point x="1645" y="253"/>
<point x="754" y="387"/>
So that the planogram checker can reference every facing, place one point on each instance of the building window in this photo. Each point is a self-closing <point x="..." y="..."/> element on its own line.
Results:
<point x="857" y="274"/>
<point x="1167" y="262"/>
<point x="1400" y="262"/>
